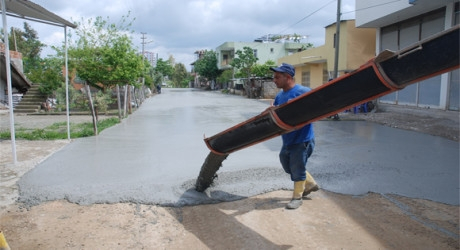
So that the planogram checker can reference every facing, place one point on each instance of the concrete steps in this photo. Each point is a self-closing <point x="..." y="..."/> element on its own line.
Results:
<point x="31" y="102"/>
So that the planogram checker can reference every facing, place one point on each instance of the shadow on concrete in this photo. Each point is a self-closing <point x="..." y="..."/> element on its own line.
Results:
<point x="221" y="229"/>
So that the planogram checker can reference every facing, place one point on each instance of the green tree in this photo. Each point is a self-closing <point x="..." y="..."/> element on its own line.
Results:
<point x="103" y="56"/>
<point x="244" y="62"/>
<point x="157" y="79"/>
<point x="225" y="77"/>
<point x="207" y="66"/>
<point x="49" y="74"/>
<point x="307" y="46"/>
<point x="33" y="46"/>
<point x="264" y="69"/>
<point x="148" y="73"/>
<point x="28" y="44"/>
<point x="164" y="68"/>
<point x="180" y="76"/>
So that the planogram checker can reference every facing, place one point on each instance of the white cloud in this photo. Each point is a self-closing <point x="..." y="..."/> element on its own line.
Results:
<point x="179" y="28"/>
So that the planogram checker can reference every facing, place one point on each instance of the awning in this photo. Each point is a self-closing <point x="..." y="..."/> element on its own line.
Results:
<point x="31" y="11"/>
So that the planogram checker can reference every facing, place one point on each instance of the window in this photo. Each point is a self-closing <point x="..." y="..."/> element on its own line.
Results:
<point x="306" y="78"/>
<point x="389" y="38"/>
<point x="403" y="34"/>
<point x="335" y="40"/>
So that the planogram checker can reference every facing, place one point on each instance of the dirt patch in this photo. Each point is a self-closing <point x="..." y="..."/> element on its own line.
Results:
<point x="325" y="221"/>
<point x="328" y="220"/>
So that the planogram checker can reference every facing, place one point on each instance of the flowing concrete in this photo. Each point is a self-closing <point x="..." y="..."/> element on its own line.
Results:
<point x="155" y="155"/>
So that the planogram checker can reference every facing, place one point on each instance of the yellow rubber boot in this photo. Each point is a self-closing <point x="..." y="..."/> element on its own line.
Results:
<point x="296" y="201"/>
<point x="310" y="185"/>
<point x="3" y="243"/>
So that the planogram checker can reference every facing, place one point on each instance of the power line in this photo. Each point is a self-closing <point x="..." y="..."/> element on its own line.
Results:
<point x="324" y="6"/>
<point x="342" y="13"/>
<point x="143" y="41"/>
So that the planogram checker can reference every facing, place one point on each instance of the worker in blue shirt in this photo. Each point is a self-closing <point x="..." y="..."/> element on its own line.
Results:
<point x="298" y="145"/>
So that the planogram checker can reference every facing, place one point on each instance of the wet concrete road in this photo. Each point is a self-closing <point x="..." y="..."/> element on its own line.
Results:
<point x="155" y="155"/>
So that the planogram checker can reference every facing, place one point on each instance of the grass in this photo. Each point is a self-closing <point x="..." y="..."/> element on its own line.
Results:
<point x="58" y="130"/>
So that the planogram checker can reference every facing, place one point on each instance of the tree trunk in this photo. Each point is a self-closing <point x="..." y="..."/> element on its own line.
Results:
<point x="130" y="111"/>
<point x="125" y="97"/>
<point x="91" y="106"/>
<point x="119" y="102"/>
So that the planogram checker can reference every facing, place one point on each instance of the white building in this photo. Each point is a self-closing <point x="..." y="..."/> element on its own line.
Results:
<point x="402" y="23"/>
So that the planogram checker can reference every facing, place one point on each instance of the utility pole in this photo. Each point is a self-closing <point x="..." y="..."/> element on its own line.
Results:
<point x="337" y="42"/>
<point x="143" y="42"/>
<point x="143" y="51"/>
<point x="143" y="55"/>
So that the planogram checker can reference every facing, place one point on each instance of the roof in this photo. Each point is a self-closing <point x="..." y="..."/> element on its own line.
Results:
<point x="31" y="11"/>
<point x="18" y="80"/>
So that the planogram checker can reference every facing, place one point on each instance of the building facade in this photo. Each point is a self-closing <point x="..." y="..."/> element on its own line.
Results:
<point x="264" y="51"/>
<point x="402" y="23"/>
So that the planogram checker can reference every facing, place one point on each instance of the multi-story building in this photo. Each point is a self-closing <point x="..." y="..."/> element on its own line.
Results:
<point x="402" y="23"/>
<point x="264" y="51"/>
<point x="315" y="66"/>
<point x="151" y="58"/>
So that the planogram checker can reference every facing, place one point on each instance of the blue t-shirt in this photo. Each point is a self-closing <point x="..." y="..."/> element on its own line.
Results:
<point x="303" y="134"/>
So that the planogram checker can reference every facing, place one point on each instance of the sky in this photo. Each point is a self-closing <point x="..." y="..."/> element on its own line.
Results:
<point x="179" y="28"/>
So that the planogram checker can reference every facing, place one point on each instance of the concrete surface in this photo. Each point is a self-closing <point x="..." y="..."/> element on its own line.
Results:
<point x="155" y="155"/>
